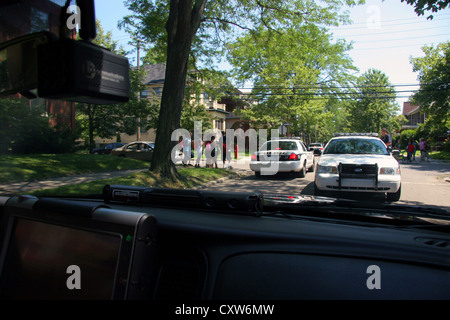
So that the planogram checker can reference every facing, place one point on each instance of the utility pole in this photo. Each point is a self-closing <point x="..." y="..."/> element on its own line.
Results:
<point x="138" y="120"/>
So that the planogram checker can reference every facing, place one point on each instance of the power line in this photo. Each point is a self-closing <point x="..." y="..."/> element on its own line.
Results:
<point x="402" y="39"/>
<point x="383" y="22"/>
<point x="388" y="32"/>
<point x="347" y="95"/>
<point x="319" y="86"/>
<point x="389" y="47"/>
<point x="348" y="98"/>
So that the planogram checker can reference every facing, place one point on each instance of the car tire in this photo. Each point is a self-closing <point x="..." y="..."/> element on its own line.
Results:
<point x="257" y="173"/>
<point x="317" y="192"/>
<point x="311" y="169"/>
<point x="302" y="172"/>
<point x="392" y="197"/>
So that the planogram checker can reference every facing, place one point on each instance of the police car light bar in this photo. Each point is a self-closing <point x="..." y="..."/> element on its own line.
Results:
<point x="367" y="134"/>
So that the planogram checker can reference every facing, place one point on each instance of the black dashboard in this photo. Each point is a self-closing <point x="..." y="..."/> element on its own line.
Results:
<point x="281" y="259"/>
<point x="199" y="254"/>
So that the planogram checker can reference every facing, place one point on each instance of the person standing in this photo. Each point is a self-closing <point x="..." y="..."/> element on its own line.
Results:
<point x="214" y="152"/>
<point x="410" y="150"/>
<point x="387" y="139"/>
<point x="199" y="150"/>
<point x="187" y="149"/>
<point x="228" y="154"/>
<point x="211" y="153"/>
<point x="424" y="150"/>
<point x="208" y="154"/>
<point x="416" y="147"/>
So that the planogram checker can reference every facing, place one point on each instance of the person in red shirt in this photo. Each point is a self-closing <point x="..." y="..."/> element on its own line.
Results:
<point x="410" y="148"/>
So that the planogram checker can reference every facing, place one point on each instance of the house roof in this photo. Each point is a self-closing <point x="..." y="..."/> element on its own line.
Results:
<point x="154" y="73"/>
<point x="409" y="108"/>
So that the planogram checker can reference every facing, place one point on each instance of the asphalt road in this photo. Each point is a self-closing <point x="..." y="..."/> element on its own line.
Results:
<point x="423" y="183"/>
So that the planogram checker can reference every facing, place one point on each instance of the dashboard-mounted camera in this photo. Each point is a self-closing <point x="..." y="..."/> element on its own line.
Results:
<point x="63" y="69"/>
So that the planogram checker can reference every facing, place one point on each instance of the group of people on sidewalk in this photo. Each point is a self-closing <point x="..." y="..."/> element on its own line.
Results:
<point x="411" y="147"/>
<point x="211" y="148"/>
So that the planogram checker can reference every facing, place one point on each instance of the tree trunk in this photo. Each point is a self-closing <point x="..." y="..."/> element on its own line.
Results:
<point x="91" y="127"/>
<point x="183" y="22"/>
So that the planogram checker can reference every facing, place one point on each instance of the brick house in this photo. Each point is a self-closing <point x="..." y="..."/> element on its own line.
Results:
<point x="37" y="16"/>
<point x="414" y="116"/>
<point x="222" y="110"/>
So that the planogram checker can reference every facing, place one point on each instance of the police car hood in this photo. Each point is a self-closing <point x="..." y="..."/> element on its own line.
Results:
<point x="335" y="159"/>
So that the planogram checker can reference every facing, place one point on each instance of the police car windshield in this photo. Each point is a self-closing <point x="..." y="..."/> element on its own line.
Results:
<point x="356" y="146"/>
<point x="279" y="145"/>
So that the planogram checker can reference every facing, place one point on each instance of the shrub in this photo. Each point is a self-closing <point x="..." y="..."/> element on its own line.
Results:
<point x="25" y="130"/>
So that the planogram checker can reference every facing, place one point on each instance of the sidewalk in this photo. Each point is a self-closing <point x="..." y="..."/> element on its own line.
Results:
<point x="25" y="186"/>
<point x="241" y="167"/>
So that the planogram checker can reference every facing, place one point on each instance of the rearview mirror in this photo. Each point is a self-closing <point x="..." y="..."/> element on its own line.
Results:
<point x="18" y="63"/>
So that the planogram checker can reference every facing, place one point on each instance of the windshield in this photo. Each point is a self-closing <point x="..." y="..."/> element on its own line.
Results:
<point x="356" y="146"/>
<point x="279" y="145"/>
<point x="252" y="74"/>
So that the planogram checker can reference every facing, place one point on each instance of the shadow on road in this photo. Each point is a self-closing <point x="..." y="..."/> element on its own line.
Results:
<point x="278" y="177"/>
<point x="433" y="165"/>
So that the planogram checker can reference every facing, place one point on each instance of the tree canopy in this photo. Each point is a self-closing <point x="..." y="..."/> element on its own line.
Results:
<point x="423" y="6"/>
<point x="295" y="75"/>
<point x="375" y="107"/>
<point x="434" y="77"/>
<point x="193" y="32"/>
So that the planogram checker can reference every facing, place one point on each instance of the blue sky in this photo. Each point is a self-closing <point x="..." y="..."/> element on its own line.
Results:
<point x="385" y="35"/>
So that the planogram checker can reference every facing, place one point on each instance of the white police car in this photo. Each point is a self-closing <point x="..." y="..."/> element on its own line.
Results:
<point x="282" y="155"/>
<point x="358" y="163"/>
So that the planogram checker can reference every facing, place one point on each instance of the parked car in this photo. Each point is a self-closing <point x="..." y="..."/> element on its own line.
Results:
<point x="141" y="150"/>
<point x="358" y="163"/>
<point x="282" y="155"/>
<point x="316" y="148"/>
<point x="108" y="148"/>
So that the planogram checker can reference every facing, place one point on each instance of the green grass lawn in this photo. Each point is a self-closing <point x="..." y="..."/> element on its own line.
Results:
<point x="190" y="177"/>
<point x="439" y="155"/>
<point x="16" y="168"/>
<point x="42" y="166"/>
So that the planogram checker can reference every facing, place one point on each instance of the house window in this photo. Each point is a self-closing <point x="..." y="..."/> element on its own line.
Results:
<point x="219" y="124"/>
<point x="157" y="91"/>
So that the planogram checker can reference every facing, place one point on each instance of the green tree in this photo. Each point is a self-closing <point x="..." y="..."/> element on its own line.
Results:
<point x="296" y="73"/>
<point x="433" y="97"/>
<point x="375" y="106"/>
<point x="24" y="129"/>
<point x="198" y="29"/>
<point x="422" y="6"/>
